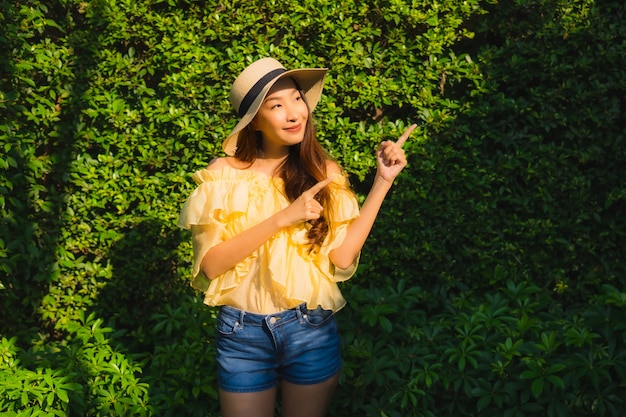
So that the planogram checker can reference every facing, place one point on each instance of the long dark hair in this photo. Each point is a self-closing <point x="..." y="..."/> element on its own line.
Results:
<point x="304" y="167"/>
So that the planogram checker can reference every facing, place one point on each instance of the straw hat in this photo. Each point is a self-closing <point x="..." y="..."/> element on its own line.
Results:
<point x="254" y="82"/>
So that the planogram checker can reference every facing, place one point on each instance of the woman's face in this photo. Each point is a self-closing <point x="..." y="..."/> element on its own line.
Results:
<point x="282" y="116"/>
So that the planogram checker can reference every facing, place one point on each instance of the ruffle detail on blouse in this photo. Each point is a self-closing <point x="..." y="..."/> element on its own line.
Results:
<point x="309" y="283"/>
<point x="228" y="201"/>
<point x="219" y="197"/>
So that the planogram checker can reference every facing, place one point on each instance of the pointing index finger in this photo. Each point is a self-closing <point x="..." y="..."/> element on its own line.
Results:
<point x="406" y="134"/>
<point x="318" y="187"/>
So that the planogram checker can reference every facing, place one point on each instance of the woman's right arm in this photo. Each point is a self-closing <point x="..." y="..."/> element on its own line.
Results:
<point x="225" y="255"/>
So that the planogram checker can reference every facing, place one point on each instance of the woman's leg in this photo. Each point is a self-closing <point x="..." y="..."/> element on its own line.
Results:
<point x="249" y="404"/>
<point x="307" y="400"/>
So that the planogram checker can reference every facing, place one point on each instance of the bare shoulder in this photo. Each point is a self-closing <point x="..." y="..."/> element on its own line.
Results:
<point x="218" y="163"/>
<point x="333" y="168"/>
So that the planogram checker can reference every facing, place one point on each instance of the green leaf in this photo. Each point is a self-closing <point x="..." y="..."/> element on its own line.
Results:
<point x="62" y="394"/>
<point x="537" y="387"/>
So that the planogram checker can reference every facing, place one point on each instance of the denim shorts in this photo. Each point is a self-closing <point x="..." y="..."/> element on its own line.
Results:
<point x="254" y="351"/>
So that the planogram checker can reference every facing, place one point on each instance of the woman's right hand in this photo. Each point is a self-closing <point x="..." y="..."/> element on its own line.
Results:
<point x="228" y="253"/>
<point x="305" y="207"/>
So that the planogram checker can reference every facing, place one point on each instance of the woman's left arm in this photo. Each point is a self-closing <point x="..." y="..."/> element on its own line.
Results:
<point x="390" y="160"/>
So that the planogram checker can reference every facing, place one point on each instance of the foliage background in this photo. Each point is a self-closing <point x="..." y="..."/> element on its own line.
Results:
<point x="492" y="284"/>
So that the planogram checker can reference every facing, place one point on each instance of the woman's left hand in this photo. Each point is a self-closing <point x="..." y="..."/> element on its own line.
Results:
<point x="390" y="158"/>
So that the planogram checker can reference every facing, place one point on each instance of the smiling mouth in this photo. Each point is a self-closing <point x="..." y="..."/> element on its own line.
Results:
<point x="294" y="129"/>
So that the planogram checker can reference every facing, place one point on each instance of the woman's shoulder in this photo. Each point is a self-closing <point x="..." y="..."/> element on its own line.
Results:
<point x="227" y="162"/>
<point x="219" y="163"/>
<point x="227" y="170"/>
<point x="333" y="168"/>
<point x="215" y="170"/>
<point x="341" y="181"/>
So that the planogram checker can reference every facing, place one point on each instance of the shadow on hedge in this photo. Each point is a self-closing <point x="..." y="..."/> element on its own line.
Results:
<point x="144" y="281"/>
<point x="42" y="151"/>
<point x="160" y="320"/>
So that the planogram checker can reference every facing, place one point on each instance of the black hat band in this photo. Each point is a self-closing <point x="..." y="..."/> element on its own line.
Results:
<point x="256" y="89"/>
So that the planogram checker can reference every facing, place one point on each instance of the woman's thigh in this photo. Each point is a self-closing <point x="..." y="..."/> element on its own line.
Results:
<point x="248" y="404"/>
<point x="307" y="400"/>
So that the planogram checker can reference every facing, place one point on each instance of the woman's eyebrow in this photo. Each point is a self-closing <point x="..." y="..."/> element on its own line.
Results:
<point x="279" y="95"/>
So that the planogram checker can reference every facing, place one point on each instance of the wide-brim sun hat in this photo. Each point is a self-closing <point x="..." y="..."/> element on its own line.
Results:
<point x="253" y="84"/>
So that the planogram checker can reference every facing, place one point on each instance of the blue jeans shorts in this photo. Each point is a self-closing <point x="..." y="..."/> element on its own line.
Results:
<point x="254" y="351"/>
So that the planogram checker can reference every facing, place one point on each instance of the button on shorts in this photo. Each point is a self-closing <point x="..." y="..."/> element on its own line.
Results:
<point x="255" y="351"/>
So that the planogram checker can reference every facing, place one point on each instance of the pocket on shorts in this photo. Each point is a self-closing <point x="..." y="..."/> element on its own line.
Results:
<point x="317" y="317"/>
<point x="227" y="325"/>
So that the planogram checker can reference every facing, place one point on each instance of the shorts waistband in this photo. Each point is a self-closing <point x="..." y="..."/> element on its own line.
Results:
<point x="272" y="320"/>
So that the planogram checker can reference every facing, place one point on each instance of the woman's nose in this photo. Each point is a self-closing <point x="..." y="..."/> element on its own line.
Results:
<point x="291" y="113"/>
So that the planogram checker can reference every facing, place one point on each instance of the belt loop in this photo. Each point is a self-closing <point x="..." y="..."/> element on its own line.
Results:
<point x="299" y="314"/>
<point x="242" y="315"/>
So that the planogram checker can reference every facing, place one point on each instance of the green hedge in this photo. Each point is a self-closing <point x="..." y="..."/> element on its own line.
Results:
<point x="493" y="281"/>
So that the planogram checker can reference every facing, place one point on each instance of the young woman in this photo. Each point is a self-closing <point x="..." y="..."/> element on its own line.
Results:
<point x="275" y="227"/>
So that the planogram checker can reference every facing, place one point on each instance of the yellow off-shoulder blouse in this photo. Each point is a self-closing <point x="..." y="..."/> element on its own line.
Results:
<point x="282" y="273"/>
